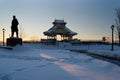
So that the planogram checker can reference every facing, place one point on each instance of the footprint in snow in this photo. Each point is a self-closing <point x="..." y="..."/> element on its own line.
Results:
<point x="20" y="69"/>
<point x="6" y="77"/>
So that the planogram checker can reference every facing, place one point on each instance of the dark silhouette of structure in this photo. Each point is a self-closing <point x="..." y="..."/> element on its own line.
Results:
<point x="112" y="46"/>
<point x="14" y="26"/>
<point x="12" y="41"/>
<point x="3" y="36"/>
<point x="59" y="28"/>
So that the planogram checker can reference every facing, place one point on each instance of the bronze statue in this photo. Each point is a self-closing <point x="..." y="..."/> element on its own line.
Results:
<point x="14" y="26"/>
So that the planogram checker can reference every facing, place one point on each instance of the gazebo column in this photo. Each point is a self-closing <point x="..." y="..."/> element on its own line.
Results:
<point x="61" y="37"/>
<point x="54" y="37"/>
<point x="70" y="37"/>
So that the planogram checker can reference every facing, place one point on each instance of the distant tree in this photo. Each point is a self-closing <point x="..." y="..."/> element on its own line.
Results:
<point x="118" y="23"/>
<point x="21" y="32"/>
<point x="103" y="39"/>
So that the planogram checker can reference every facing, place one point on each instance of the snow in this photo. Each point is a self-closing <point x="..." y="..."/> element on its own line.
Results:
<point x="56" y="62"/>
<point x="71" y="32"/>
<point x="102" y="50"/>
<point x="59" y="21"/>
<point x="54" y="28"/>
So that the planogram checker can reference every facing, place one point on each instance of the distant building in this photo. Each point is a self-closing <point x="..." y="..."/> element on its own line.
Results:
<point x="59" y="28"/>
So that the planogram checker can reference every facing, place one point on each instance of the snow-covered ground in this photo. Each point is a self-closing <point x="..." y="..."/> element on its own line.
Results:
<point x="102" y="50"/>
<point x="42" y="62"/>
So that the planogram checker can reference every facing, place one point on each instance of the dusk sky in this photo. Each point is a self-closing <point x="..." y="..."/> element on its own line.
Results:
<point x="91" y="19"/>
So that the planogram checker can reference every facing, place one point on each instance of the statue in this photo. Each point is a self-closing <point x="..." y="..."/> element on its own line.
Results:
<point x="13" y="41"/>
<point x="14" y="26"/>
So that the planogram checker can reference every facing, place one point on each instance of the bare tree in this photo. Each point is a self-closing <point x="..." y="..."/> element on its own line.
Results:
<point x="118" y="23"/>
<point x="21" y="31"/>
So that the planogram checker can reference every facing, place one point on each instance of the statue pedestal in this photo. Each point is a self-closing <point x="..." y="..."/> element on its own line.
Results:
<point x="13" y="41"/>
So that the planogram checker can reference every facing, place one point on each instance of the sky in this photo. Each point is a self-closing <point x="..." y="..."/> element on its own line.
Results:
<point x="91" y="19"/>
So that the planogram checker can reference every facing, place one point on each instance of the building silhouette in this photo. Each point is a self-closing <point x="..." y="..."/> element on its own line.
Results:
<point x="59" y="28"/>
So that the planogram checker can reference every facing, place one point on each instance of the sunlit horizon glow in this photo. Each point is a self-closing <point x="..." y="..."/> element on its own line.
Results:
<point x="91" y="19"/>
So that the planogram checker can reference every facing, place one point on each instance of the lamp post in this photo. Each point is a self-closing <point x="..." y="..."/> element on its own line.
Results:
<point x="3" y="36"/>
<point x="112" y="27"/>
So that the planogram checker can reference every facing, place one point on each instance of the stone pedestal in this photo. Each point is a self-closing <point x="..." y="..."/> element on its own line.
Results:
<point x="13" y="41"/>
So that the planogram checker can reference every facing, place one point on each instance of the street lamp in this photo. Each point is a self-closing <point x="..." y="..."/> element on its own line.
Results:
<point x="3" y="36"/>
<point x="112" y="27"/>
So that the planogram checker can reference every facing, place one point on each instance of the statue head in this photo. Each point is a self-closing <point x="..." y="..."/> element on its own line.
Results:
<point x="14" y="17"/>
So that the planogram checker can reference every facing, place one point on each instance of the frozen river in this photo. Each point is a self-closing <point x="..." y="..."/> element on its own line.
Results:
<point x="54" y="64"/>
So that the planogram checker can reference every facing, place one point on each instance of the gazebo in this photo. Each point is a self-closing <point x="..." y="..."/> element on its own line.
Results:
<point x="59" y="28"/>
